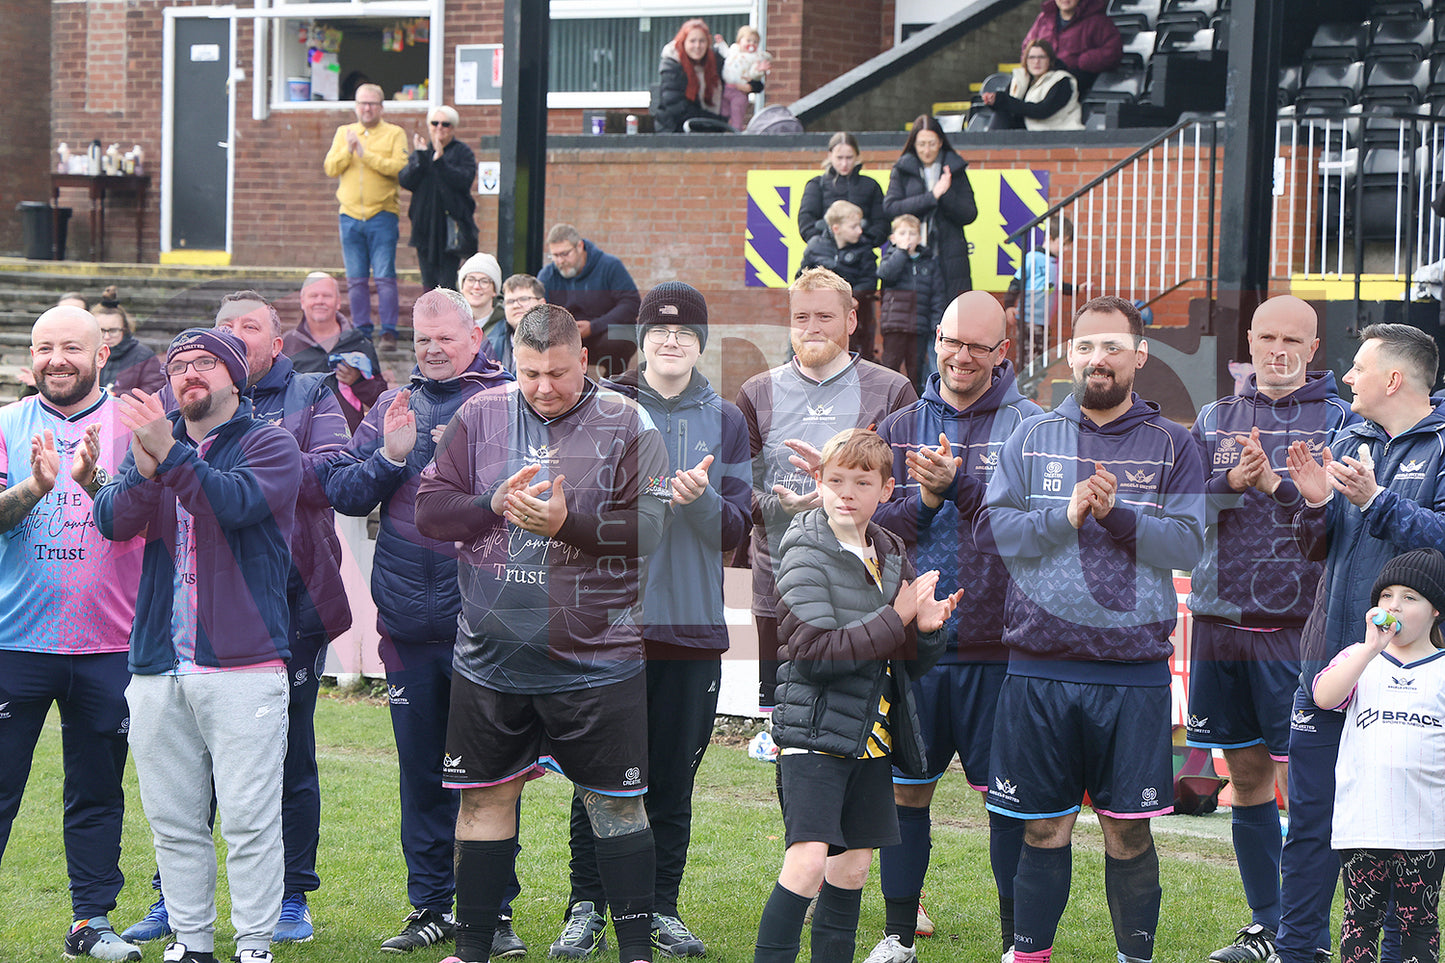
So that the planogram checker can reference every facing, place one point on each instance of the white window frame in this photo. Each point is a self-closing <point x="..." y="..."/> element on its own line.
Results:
<point x="269" y="84"/>
<point x="606" y="9"/>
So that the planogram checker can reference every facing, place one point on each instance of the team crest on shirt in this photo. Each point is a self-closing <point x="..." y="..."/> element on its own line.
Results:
<point x="988" y="460"/>
<point x="451" y="762"/>
<point x="4" y="710"/>
<point x="1401" y="682"/>
<point x="1139" y="479"/>
<point x="819" y="412"/>
<point x="395" y="694"/>
<point x="1299" y="719"/>
<point x="1005" y="788"/>
<point x="1227" y="444"/>
<point x="1198" y="722"/>
<point x="542" y="455"/>
<point x="1411" y="470"/>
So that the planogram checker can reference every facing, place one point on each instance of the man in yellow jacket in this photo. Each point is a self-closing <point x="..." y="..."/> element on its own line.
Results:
<point x="367" y="157"/>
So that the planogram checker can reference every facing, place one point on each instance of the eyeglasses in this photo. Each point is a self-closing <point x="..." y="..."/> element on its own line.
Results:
<point x="517" y="302"/>
<point x="368" y="103"/>
<point x="953" y="346"/>
<point x="566" y="254"/>
<point x="204" y="363"/>
<point x="477" y="279"/>
<point x="685" y="337"/>
<point x="440" y="123"/>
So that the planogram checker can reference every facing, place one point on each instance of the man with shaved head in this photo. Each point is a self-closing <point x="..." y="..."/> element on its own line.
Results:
<point x="945" y="446"/>
<point x="1253" y="590"/>
<point x="67" y="599"/>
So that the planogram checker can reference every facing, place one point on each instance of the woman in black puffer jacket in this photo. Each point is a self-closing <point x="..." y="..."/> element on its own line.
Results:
<point x="930" y="181"/>
<point x="843" y="180"/>
<point x="689" y="79"/>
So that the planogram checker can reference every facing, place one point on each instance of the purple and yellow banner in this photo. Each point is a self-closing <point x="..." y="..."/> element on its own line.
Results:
<point x="1007" y="200"/>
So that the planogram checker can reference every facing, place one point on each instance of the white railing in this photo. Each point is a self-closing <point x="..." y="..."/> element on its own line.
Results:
<point x="1352" y="197"/>
<point x="1144" y="230"/>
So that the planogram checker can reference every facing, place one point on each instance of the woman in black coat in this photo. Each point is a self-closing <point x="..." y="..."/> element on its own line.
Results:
<point x="930" y="181"/>
<point x="689" y="79"/>
<point x="439" y="175"/>
<point x="843" y="180"/>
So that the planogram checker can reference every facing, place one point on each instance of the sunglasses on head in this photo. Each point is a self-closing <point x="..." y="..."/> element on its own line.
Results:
<point x="440" y="123"/>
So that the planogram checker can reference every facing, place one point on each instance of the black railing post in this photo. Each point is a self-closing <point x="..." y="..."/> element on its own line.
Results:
<point x="521" y="204"/>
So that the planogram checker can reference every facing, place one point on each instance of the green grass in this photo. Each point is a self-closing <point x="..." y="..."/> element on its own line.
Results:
<point x="734" y="859"/>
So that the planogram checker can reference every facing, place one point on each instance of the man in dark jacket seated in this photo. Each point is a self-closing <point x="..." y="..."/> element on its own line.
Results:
<point x="596" y="288"/>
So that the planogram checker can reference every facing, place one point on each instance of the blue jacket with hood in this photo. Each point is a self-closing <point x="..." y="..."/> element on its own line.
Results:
<point x="413" y="578"/>
<point x="682" y="600"/>
<point x="1097" y="603"/>
<point x="1407" y="513"/>
<point x="1252" y="572"/>
<point x="943" y="538"/>
<point x="241" y="495"/>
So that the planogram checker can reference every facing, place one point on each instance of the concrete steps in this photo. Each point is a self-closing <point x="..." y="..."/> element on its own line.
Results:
<point x="162" y="300"/>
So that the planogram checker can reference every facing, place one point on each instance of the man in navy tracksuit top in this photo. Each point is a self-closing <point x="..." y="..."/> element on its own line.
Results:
<point x="1092" y="507"/>
<point x="304" y="405"/>
<point x="1380" y="492"/>
<point x="683" y="630"/>
<point x="973" y="401"/>
<point x="414" y="583"/>
<point x="1253" y="590"/>
<point x="213" y="490"/>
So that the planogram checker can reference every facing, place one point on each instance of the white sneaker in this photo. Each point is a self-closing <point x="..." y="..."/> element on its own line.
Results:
<point x="254" y="956"/>
<point x="889" y="950"/>
<point x="1008" y="956"/>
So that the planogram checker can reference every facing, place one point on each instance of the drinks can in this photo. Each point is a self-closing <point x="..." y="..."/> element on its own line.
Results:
<point x="599" y="124"/>
<point x="632" y="123"/>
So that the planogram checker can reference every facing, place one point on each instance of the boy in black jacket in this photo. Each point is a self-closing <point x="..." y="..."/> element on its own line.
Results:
<point x="844" y="250"/>
<point x="912" y="302"/>
<point x="857" y="629"/>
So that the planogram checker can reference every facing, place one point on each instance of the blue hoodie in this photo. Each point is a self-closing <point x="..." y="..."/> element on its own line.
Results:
<point x="943" y="538"/>
<point x="1252" y="572"/>
<point x="1407" y="513"/>
<point x="413" y="578"/>
<point x="1096" y="604"/>
<point x="682" y="600"/>
<point x="241" y="495"/>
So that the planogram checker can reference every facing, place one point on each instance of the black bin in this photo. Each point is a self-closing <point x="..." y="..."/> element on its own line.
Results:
<point x="36" y="221"/>
<point x="45" y="229"/>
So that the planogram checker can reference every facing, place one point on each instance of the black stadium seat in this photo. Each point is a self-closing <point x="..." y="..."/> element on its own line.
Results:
<point x="1289" y="81"/>
<point x="1381" y="10"/>
<point x="1338" y="43"/>
<point x="1398" y="84"/>
<point x="1134" y="15"/>
<point x="1139" y="48"/>
<point x="1195" y="41"/>
<point x="1116" y="86"/>
<point x="1400" y="39"/>
<point x="1331" y="86"/>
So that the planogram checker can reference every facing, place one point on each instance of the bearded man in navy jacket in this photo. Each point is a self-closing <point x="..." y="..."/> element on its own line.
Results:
<point x="1092" y="507"/>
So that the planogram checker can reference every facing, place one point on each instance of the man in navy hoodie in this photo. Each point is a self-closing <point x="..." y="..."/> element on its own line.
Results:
<point x="1092" y="507"/>
<point x="945" y="447"/>
<point x="1253" y="590"/>
<point x="414" y="583"/>
<point x="683" y="629"/>
<point x="213" y="490"/>
<point x="597" y="290"/>
<point x="1380" y="491"/>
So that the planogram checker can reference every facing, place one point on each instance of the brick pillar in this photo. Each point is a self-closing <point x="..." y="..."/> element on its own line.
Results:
<point x="26" y="152"/>
<point x="836" y="43"/>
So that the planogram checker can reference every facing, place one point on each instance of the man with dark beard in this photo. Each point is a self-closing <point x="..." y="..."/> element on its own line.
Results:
<point x="67" y="597"/>
<point x="808" y="400"/>
<point x="1092" y="507"/>
<point x="212" y="492"/>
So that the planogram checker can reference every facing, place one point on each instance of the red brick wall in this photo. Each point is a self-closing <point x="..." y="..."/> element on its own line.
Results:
<point x="26" y="150"/>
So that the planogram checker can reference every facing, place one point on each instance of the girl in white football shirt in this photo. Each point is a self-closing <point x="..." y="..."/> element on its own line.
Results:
<point x="1390" y="774"/>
